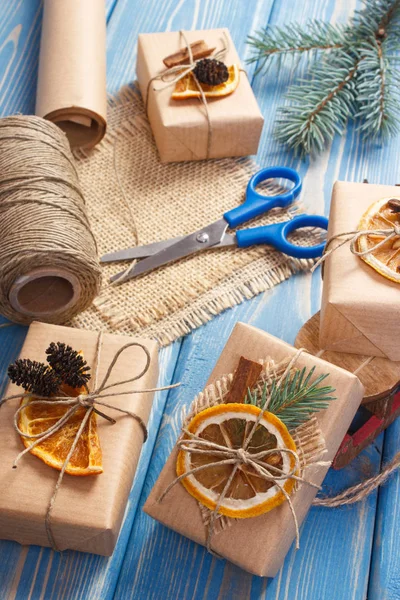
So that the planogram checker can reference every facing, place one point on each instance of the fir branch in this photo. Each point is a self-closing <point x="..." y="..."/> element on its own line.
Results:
<point x="378" y="81"/>
<point x="356" y="78"/>
<point x="377" y="93"/>
<point x="319" y="107"/>
<point x="296" y="398"/>
<point x="296" y="40"/>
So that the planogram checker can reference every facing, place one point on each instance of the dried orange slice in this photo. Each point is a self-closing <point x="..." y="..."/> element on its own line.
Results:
<point x="187" y="88"/>
<point x="87" y="458"/>
<point x="249" y="494"/>
<point x="386" y="259"/>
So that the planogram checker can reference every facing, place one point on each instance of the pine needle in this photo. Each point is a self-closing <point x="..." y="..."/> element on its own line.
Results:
<point x="296" y="398"/>
<point x="319" y="107"/>
<point x="278" y="43"/>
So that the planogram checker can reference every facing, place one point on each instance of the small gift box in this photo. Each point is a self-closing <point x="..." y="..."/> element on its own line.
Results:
<point x="359" y="311"/>
<point x="281" y="481"/>
<point x="196" y="128"/>
<point x="86" y="511"/>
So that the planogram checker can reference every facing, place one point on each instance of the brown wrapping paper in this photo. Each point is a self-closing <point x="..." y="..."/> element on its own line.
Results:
<point x="180" y="127"/>
<point x="359" y="311"/>
<point x="273" y="532"/>
<point x="71" y="89"/>
<point x="88" y="511"/>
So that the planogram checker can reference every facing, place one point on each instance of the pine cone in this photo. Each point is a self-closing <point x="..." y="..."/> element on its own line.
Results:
<point x="69" y="365"/>
<point x="34" y="377"/>
<point x="211" y="71"/>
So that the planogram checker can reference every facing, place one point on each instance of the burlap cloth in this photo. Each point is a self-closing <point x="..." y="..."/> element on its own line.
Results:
<point x="167" y="201"/>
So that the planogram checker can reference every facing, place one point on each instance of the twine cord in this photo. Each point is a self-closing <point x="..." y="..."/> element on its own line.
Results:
<point x="42" y="213"/>
<point x="172" y="75"/>
<point x="86" y="401"/>
<point x="193" y="444"/>
<point x="353" y="237"/>
<point x="360" y="491"/>
<point x="123" y="194"/>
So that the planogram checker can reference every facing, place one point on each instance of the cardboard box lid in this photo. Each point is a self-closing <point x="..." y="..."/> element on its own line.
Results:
<point x="88" y="510"/>
<point x="273" y="532"/>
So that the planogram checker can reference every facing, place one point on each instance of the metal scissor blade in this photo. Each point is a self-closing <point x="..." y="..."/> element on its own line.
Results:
<point x="199" y="240"/>
<point x="139" y="251"/>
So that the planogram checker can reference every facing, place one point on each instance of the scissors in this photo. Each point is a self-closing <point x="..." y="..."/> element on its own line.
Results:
<point x="215" y="235"/>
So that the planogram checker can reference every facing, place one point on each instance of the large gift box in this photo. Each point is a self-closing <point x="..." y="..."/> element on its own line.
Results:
<point x="360" y="307"/>
<point x="88" y="511"/>
<point x="259" y="544"/>
<point x="180" y="127"/>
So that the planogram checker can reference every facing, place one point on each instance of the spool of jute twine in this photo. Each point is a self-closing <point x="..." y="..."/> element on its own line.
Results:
<point x="49" y="269"/>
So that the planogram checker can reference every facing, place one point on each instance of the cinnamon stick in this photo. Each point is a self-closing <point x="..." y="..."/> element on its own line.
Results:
<point x="199" y="50"/>
<point x="245" y="378"/>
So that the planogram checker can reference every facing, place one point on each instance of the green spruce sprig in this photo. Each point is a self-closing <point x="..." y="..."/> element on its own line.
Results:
<point x="277" y="43"/>
<point x="296" y="398"/>
<point x="319" y="109"/>
<point x="378" y="88"/>
<point x="356" y="77"/>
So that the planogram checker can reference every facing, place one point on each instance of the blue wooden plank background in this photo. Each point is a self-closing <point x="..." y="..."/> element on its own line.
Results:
<point x="345" y="553"/>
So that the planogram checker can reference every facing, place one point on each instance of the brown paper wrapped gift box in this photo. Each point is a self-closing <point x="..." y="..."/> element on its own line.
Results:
<point x="359" y="307"/>
<point x="88" y="511"/>
<point x="259" y="545"/>
<point x="180" y="127"/>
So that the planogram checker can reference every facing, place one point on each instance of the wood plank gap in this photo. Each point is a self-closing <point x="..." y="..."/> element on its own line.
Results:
<point x="271" y="11"/>
<point x="110" y="7"/>
<point x="138" y="509"/>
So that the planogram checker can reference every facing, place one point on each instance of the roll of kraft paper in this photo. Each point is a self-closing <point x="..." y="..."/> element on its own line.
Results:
<point x="49" y="270"/>
<point x="71" y="88"/>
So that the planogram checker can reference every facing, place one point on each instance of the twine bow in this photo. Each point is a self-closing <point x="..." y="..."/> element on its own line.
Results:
<point x="174" y="74"/>
<point x="193" y="444"/>
<point x="353" y="237"/>
<point x="87" y="401"/>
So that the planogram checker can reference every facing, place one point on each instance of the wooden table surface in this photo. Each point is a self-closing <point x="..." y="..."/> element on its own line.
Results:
<point x="347" y="553"/>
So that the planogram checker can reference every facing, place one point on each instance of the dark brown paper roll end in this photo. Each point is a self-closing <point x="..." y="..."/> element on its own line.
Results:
<point x="44" y="293"/>
<point x="83" y="128"/>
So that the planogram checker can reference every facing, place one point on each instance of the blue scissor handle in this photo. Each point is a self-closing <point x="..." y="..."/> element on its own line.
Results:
<point x="256" y="204"/>
<point x="276" y="235"/>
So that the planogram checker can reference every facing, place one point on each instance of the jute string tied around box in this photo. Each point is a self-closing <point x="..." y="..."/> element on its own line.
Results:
<point x="172" y="75"/>
<point x="87" y="401"/>
<point x="194" y="444"/>
<point x="352" y="237"/>
<point x="48" y="255"/>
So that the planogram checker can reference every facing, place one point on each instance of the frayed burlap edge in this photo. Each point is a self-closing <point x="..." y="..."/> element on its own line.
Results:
<point x="215" y="301"/>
